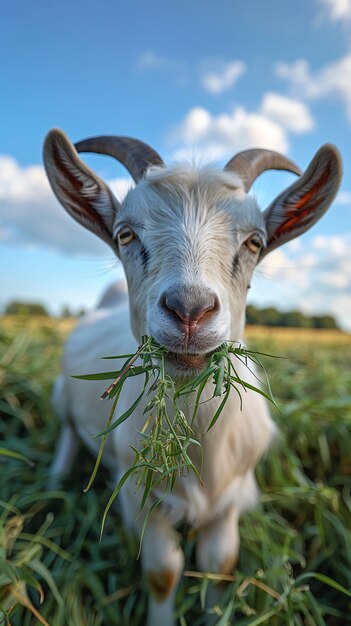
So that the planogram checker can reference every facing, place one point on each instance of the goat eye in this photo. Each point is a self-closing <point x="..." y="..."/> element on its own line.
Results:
<point x="125" y="235"/>
<point x="254" y="243"/>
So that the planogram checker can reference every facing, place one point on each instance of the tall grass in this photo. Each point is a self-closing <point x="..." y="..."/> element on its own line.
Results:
<point x="295" y="558"/>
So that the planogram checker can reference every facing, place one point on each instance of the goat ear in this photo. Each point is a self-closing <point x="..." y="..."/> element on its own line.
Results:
<point x="83" y="194"/>
<point x="303" y="203"/>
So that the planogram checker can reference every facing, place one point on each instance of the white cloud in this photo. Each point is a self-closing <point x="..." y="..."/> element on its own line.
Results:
<point x="294" y="245"/>
<point x="215" y="74"/>
<point x="219" y="136"/>
<point x="315" y="278"/>
<point x="336" y="10"/>
<point x="333" y="81"/>
<point x="194" y="127"/>
<point x="31" y="216"/>
<point x="335" y="281"/>
<point x="120" y="187"/>
<point x="149" y="60"/>
<point x="297" y="72"/>
<point x="343" y="197"/>
<point x="292" y="114"/>
<point x="223" y="77"/>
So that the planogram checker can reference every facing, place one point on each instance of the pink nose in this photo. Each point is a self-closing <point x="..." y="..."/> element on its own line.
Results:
<point x="189" y="308"/>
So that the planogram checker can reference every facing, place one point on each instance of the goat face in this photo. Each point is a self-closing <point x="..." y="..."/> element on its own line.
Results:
<point x="189" y="240"/>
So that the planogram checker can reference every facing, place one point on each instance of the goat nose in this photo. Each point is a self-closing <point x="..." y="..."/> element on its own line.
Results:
<point x="190" y="308"/>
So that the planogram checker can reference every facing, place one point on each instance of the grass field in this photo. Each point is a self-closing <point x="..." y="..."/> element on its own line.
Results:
<point x="295" y="558"/>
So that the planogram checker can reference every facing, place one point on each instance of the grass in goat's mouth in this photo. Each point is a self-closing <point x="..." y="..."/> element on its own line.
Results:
<point x="165" y="438"/>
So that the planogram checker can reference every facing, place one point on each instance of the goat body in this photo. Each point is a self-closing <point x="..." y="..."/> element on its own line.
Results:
<point x="189" y="241"/>
<point x="234" y="445"/>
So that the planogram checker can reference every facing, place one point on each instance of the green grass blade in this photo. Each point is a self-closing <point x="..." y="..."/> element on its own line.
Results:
<point x="122" y="418"/>
<point x="323" y="579"/>
<point x="117" y="489"/>
<point x="102" y="444"/>
<point x="147" y="517"/>
<point x="16" y="455"/>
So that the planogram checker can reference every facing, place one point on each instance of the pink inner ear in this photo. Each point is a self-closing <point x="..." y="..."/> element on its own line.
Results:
<point x="85" y="209"/>
<point x="304" y="208"/>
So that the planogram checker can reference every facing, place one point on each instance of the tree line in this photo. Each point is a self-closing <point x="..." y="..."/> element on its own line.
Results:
<point x="26" y="309"/>
<point x="272" y="317"/>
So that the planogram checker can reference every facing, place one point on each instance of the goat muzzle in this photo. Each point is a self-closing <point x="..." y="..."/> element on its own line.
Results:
<point x="188" y="310"/>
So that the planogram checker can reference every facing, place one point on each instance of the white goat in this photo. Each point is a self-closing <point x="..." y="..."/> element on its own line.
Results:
<point x="189" y="241"/>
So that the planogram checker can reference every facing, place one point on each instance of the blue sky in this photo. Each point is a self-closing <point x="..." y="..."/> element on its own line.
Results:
<point x="203" y="78"/>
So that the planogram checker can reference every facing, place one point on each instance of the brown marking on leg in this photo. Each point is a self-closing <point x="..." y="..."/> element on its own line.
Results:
<point x="228" y="565"/>
<point x="161" y="583"/>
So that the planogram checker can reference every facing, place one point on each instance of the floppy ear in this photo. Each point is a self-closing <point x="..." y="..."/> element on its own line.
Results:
<point x="83" y="194"/>
<point x="303" y="203"/>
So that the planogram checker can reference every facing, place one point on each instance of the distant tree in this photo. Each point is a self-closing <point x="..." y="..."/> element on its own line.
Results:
<point x="324" y="321"/>
<point x="66" y="312"/>
<point x="253" y="315"/>
<point x="25" y="308"/>
<point x="297" y="319"/>
<point x="272" y="317"/>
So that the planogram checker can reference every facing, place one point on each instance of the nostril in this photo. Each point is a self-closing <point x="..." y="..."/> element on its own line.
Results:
<point x="191" y="306"/>
<point x="172" y="305"/>
<point x="204" y="310"/>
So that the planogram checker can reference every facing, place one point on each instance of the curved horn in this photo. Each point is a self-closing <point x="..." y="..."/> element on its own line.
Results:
<point x="249" y="164"/>
<point x="135" y="155"/>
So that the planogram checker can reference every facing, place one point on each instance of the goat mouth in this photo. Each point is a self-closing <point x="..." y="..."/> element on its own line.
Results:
<point x="193" y="361"/>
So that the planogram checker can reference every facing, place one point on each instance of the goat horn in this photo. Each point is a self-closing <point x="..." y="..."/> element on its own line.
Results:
<point x="135" y="155"/>
<point x="249" y="164"/>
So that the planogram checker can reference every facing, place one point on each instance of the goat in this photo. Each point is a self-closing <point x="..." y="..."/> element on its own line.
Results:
<point x="189" y="240"/>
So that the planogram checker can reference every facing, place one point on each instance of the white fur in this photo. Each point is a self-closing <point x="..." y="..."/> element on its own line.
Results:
<point x="231" y="450"/>
<point x="191" y="227"/>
